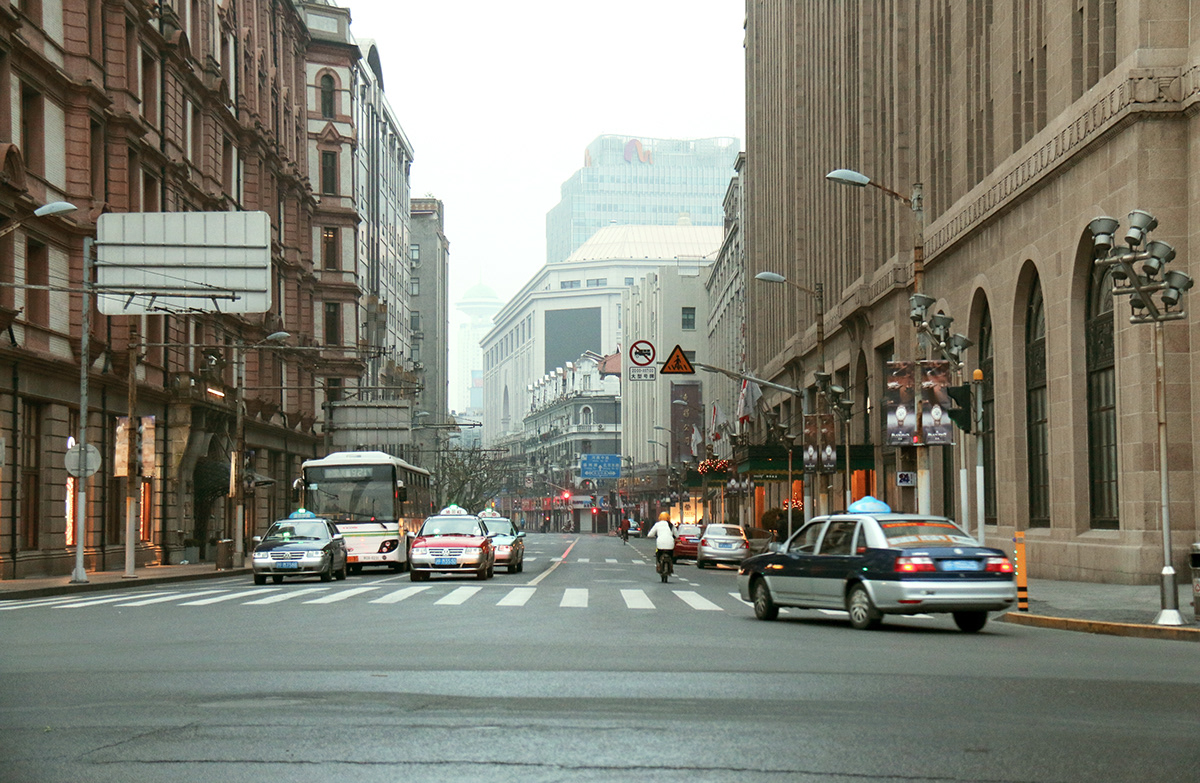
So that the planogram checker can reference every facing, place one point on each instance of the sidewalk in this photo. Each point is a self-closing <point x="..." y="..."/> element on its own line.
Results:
<point x="1122" y="610"/>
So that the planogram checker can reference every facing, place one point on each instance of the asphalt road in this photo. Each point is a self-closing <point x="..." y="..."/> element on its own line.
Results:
<point x="586" y="669"/>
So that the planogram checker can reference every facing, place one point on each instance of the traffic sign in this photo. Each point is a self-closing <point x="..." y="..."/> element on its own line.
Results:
<point x="642" y="373"/>
<point x="529" y="481"/>
<point x="678" y="363"/>
<point x="598" y="466"/>
<point x="642" y="353"/>
<point x="82" y="463"/>
<point x="906" y="478"/>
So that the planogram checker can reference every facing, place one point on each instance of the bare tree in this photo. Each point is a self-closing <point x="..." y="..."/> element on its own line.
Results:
<point x="472" y="477"/>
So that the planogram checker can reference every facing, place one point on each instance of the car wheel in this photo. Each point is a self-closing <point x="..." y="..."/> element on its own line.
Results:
<point x="521" y="564"/>
<point x="481" y="573"/>
<point x="863" y="614"/>
<point x="491" y="569"/>
<point x="260" y="579"/>
<point x="764" y="607"/>
<point x="277" y="579"/>
<point x="970" y="622"/>
<point x="700" y="563"/>
<point x="327" y="573"/>
<point x="512" y="568"/>
<point x="417" y="576"/>
<point x="341" y="573"/>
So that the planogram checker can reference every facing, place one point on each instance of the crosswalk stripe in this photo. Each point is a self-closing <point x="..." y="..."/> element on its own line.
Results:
<point x="274" y="599"/>
<point x="16" y="604"/>
<point x="575" y="597"/>
<point x="173" y="595"/>
<point x="457" y="596"/>
<point x="584" y="560"/>
<point x="92" y="602"/>
<point x="637" y="599"/>
<point x="399" y="595"/>
<point x="341" y="596"/>
<point x="694" y="600"/>
<point x="610" y="560"/>
<point x="219" y="598"/>
<point x="517" y="596"/>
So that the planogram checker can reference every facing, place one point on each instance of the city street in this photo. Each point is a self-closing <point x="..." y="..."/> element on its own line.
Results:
<point x="582" y="667"/>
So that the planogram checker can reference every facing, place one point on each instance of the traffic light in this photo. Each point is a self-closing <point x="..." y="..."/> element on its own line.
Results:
<point x="593" y="501"/>
<point x="566" y="495"/>
<point x="963" y="413"/>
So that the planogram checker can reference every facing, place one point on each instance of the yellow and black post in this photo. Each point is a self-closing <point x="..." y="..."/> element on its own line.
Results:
<point x="1019" y="568"/>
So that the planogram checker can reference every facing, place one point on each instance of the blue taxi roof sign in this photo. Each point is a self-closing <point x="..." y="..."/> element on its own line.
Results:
<point x="869" y="505"/>
<point x="302" y="513"/>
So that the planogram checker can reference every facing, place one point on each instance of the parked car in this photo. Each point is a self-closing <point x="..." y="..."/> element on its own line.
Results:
<point x="507" y="540"/>
<point x="301" y="545"/>
<point x="878" y="563"/>
<point x="760" y="538"/>
<point x="452" y="541"/>
<point x="688" y="541"/>
<point x="722" y="544"/>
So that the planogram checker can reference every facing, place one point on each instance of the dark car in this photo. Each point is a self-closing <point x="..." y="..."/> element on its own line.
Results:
<point x="874" y="564"/>
<point x="301" y="545"/>
<point x="507" y="540"/>
<point x="687" y="542"/>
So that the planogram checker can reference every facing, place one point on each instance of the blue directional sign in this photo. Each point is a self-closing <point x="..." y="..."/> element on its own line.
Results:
<point x="597" y="466"/>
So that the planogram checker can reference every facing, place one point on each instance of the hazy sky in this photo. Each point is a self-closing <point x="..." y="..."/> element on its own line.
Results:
<point x="499" y="99"/>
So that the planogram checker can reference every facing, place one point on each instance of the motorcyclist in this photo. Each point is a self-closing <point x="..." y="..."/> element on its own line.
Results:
<point x="664" y="536"/>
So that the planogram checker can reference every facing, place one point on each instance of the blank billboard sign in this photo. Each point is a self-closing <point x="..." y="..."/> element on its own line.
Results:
<point x="174" y="262"/>
<point x="569" y="333"/>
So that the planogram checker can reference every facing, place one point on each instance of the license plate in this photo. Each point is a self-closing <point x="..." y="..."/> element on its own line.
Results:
<point x="725" y="546"/>
<point x="286" y="564"/>
<point x="960" y="565"/>
<point x="445" y="561"/>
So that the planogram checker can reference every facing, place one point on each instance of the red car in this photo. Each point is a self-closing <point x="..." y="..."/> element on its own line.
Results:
<point x="688" y="542"/>
<point x="452" y="542"/>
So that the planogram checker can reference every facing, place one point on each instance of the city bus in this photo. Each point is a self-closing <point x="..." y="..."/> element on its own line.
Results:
<point x="377" y="501"/>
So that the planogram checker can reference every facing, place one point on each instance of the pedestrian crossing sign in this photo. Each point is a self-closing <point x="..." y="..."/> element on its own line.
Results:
<point x="678" y="363"/>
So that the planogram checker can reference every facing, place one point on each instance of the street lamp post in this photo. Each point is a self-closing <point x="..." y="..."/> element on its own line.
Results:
<point x="916" y="202"/>
<point x="1140" y="287"/>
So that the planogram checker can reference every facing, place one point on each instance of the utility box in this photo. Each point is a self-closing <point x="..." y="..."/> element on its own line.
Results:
<point x="225" y="554"/>
<point x="1196" y="582"/>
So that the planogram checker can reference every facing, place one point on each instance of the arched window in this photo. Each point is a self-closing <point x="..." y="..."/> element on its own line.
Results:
<point x="987" y="364"/>
<point x="585" y="416"/>
<point x="1101" y="402"/>
<point x="1037" y="409"/>
<point x="327" y="104"/>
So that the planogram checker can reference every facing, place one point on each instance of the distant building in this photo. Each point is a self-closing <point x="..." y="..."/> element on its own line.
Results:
<point x="479" y="304"/>
<point x="634" y="181"/>
<point x="574" y="308"/>
<point x="429" y="317"/>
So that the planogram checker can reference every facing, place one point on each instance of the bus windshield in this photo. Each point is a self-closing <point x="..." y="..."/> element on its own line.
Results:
<point x="351" y="493"/>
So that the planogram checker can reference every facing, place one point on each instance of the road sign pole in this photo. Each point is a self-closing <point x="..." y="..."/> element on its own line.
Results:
<point x="79" y="575"/>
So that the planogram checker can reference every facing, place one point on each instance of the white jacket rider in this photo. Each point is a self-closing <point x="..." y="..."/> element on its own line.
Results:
<point x="663" y="533"/>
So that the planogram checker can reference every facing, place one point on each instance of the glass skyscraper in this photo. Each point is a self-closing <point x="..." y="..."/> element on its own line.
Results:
<point x="631" y="180"/>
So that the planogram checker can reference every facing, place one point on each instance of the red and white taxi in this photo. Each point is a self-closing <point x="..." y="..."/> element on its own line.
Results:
<point x="452" y="542"/>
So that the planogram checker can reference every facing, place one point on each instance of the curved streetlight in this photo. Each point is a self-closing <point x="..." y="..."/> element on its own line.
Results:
<point x="817" y="293"/>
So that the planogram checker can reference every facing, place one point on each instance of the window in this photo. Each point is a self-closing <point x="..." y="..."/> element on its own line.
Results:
<point x="96" y="160"/>
<point x="197" y="135"/>
<point x="327" y="97"/>
<point x="31" y="473"/>
<point x="414" y="286"/>
<point x="688" y="322"/>
<point x="330" y="258"/>
<point x="33" y="134"/>
<point x="569" y="284"/>
<point x="32" y="10"/>
<point x="37" y="273"/>
<point x="987" y="366"/>
<point x="414" y="254"/>
<point x="597" y="282"/>
<point x="329" y="173"/>
<point x="149" y="94"/>
<point x="1102" y="403"/>
<point x="227" y="165"/>
<point x="1037" y="411"/>
<point x="629" y="281"/>
<point x="333" y="323"/>
<point x="414" y="321"/>
<point x="333" y="389"/>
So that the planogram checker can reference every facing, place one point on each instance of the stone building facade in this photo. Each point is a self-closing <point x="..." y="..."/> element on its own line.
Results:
<point x="186" y="105"/>
<point x="1020" y="122"/>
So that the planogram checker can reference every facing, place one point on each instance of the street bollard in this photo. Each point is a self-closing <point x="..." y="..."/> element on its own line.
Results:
<point x="1019" y="568"/>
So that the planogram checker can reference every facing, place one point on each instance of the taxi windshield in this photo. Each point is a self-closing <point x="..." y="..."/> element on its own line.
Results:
<point x="501" y="527"/>
<point x="908" y="533"/>
<point x="297" y="530"/>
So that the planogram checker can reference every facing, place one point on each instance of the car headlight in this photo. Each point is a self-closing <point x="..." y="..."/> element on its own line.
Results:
<point x="313" y="555"/>
<point x="262" y="555"/>
<point x="420" y="550"/>
<point x="503" y="550"/>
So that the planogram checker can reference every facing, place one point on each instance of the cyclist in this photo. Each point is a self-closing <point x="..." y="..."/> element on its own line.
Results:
<point x="625" y="531"/>
<point x="664" y="536"/>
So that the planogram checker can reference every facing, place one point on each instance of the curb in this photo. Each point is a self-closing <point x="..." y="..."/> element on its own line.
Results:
<point x="91" y="587"/>
<point x="1172" y="632"/>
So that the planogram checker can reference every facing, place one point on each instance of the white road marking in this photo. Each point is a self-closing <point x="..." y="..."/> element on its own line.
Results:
<point x="694" y="600"/>
<point x="584" y="560"/>
<point x="399" y="595"/>
<point x="458" y="596"/>
<point x="219" y="598"/>
<point x="35" y="602"/>
<point x="274" y="599"/>
<point x="575" y="597"/>
<point x="93" y="602"/>
<point x="518" y="596"/>
<point x="341" y="595"/>
<point x="636" y="599"/>
<point x="610" y="560"/>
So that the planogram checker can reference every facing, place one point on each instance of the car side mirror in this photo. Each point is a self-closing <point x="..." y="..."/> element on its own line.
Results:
<point x="337" y="536"/>
<point x="256" y="540"/>
<point x="520" y="534"/>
